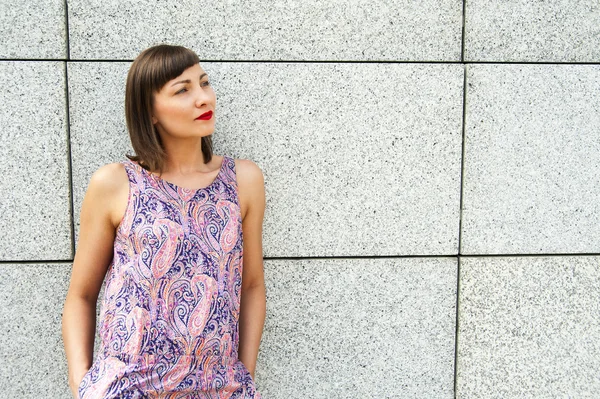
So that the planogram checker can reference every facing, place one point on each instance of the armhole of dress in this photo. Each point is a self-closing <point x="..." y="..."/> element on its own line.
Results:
<point x="233" y="179"/>
<point x="236" y="187"/>
<point x="127" y="219"/>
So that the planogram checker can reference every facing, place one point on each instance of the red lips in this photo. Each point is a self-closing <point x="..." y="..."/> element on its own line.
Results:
<point x="205" y="116"/>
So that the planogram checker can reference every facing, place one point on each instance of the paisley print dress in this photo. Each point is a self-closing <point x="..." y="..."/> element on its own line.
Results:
<point x="169" y="315"/>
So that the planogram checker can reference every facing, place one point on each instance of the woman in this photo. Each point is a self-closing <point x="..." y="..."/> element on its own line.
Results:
<point x="184" y="303"/>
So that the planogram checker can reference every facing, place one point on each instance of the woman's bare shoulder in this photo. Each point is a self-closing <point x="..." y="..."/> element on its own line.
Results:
<point x="248" y="173"/>
<point x="109" y="178"/>
<point x="251" y="185"/>
<point x="107" y="192"/>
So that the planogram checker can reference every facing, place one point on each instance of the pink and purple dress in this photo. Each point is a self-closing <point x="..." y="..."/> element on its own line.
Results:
<point x="169" y="316"/>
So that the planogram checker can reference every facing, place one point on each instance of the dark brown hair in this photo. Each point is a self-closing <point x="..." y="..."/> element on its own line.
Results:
<point x="148" y="73"/>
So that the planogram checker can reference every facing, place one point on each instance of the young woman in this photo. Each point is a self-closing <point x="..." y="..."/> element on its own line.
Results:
<point x="177" y="234"/>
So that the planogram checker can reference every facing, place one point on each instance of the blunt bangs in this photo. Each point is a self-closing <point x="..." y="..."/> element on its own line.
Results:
<point x="167" y="63"/>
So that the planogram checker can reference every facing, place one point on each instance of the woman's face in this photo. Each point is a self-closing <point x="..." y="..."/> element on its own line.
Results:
<point x="180" y="103"/>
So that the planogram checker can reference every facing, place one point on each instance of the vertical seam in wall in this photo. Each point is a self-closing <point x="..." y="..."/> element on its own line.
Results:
<point x="67" y="29"/>
<point x="462" y="42"/>
<point x="462" y="176"/>
<point x="70" y="162"/>
<point x="456" y="326"/>
<point x="68" y="116"/>
<point x="462" y="159"/>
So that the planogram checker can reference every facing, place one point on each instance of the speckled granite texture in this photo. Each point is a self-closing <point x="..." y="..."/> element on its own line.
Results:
<point x="366" y="156"/>
<point x="34" y="29"/>
<point x="31" y="349"/>
<point x="428" y="30"/>
<point x="362" y="158"/>
<point x="359" y="328"/>
<point x="532" y="31"/>
<point x="34" y="211"/>
<point x="529" y="327"/>
<point x="97" y="114"/>
<point x="532" y="159"/>
<point x="365" y="159"/>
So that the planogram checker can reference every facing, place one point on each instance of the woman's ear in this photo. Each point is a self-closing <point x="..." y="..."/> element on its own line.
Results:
<point x="154" y="120"/>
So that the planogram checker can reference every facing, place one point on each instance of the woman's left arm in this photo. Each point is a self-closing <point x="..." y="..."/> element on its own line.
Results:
<point x="251" y="191"/>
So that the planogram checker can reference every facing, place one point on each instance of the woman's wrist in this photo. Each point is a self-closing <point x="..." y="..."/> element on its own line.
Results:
<point x="76" y="377"/>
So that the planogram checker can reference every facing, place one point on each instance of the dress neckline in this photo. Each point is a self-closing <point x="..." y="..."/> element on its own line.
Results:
<point x="180" y="188"/>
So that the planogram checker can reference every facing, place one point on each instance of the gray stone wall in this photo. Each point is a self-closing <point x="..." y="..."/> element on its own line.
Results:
<point x="432" y="177"/>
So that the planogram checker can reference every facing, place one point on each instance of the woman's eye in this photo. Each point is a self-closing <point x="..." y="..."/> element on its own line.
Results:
<point x="181" y="91"/>
<point x="205" y="83"/>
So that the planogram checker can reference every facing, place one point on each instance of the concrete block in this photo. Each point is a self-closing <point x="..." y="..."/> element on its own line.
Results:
<point x="532" y="159"/>
<point x="35" y="210"/>
<point x="428" y="30"/>
<point x="33" y="29"/>
<point x="33" y="360"/>
<point x="359" y="328"/>
<point x="532" y="31"/>
<point x="529" y="327"/>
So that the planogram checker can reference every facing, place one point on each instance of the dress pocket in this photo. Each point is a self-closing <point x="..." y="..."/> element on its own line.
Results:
<point x="85" y="381"/>
<point x="96" y="382"/>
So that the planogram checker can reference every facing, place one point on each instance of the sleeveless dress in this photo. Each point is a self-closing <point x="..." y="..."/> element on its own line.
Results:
<point x="169" y="315"/>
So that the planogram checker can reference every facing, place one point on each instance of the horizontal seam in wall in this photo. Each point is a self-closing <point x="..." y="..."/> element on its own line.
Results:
<point x="320" y="62"/>
<point x="551" y="255"/>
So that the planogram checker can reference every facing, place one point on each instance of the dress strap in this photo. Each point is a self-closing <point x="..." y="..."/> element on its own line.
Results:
<point x="229" y="172"/>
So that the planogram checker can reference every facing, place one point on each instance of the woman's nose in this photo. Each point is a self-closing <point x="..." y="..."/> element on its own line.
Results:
<point x="201" y="98"/>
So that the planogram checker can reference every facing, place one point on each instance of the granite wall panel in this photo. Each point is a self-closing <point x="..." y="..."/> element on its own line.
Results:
<point x="532" y="159"/>
<point x="35" y="210"/>
<point x="529" y="327"/>
<point x="33" y="29"/>
<point x="428" y="30"/>
<point x="367" y="160"/>
<point x="33" y="359"/>
<point x="359" y="328"/>
<point x="532" y="31"/>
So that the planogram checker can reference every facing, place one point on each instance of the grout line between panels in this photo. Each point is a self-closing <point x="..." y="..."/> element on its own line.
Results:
<point x="452" y="256"/>
<point x="456" y="326"/>
<point x="68" y="43"/>
<point x="36" y="262"/>
<point x="462" y="43"/>
<point x="69" y="161"/>
<point x="323" y="61"/>
<point x="462" y="159"/>
<point x="555" y="255"/>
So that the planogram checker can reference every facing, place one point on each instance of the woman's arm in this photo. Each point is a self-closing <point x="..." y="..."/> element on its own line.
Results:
<point x="103" y="200"/>
<point x="253" y="299"/>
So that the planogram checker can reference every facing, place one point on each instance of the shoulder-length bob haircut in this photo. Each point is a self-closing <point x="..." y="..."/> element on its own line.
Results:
<point x="148" y="73"/>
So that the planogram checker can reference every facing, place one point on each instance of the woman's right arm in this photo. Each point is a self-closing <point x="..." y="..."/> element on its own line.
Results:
<point x="98" y="220"/>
